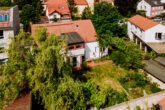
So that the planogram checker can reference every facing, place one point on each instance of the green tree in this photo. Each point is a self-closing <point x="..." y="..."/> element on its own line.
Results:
<point x="29" y="14"/>
<point x="42" y="70"/>
<point x="126" y="7"/>
<point x="128" y="54"/>
<point x="105" y="20"/>
<point x="87" y="13"/>
<point x="73" y="9"/>
<point x="14" y="72"/>
<point x="6" y="3"/>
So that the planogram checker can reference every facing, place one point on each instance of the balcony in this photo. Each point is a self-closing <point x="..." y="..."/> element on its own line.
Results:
<point x="76" y="52"/>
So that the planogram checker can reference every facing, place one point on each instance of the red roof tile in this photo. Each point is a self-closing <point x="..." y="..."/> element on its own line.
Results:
<point x="142" y="22"/>
<point x="162" y="103"/>
<point x="83" y="27"/>
<point x="81" y="2"/>
<point x="59" y="6"/>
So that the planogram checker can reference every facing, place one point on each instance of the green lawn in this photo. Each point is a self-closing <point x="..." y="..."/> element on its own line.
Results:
<point x="106" y="75"/>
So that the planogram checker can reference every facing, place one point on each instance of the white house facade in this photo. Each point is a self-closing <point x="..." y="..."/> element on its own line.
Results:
<point x="151" y="7"/>
<point x="9" y="27"/>
<point x="149" y="35"/>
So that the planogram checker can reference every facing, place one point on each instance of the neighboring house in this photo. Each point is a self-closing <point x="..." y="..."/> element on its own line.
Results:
<point x="57" y="10"/>
<point x="81" y="5"/>
<point x="149" y="34"/>
<point x="82" y="40"/>
<point x="151" y="7"/>
<point x="9" y="27"/>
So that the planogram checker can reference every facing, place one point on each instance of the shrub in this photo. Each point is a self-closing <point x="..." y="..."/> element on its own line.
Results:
<point x="154" y="88"/>
<point x="129" y="56"/>
<point x="151" y="55"/>
<point x="114" y="97"/>
<point x="162" y="54"/>
<point x="85" y="65"/>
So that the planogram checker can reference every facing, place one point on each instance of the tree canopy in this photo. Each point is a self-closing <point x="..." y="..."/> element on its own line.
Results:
<point x="29" y="14"/>
<point x="126" y="7"/>
<point x="105" y="20"/>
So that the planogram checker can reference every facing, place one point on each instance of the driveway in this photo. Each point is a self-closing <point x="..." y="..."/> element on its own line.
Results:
<point x="156" y="68"/>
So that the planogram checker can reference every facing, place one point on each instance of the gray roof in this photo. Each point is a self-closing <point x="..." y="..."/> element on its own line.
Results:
<point x="73" y="37"/>
<point x="154" y="2"/>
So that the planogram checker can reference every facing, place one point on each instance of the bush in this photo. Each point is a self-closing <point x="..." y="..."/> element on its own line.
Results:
<point x="162" y="54"/>
<point x="114" y="97"/>
<point x="129" y="56"/>
<point x="134" y="80"/>
<point x="85" y="65"/>
<point x="154" y="88"/>
<point x="151" y="55"/>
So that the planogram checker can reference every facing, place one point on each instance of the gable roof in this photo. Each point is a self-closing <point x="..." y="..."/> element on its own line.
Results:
<point x="59" y="6"/>
<point x="84" y="28"/>
<point x="81" y="2"/>
<point x="142" y="22"/>
<point x="154" y="2"/>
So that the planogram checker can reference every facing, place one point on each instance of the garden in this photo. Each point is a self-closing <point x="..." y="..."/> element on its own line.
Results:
<point x="134" y="84"/>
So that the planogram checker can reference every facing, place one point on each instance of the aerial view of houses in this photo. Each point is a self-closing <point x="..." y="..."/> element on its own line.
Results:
<point x="82" y="54"/>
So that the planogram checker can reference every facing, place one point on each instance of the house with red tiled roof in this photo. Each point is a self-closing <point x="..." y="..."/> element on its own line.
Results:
<point x="149" y="34"/>
<point x="57" y="10"/>
<point x="82" y="4"/>
<point x="82" y="40"/>
<point x="9" y="27"/>
<point x="152" y="8"/>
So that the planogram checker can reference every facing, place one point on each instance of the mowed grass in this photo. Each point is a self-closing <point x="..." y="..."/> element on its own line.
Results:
<point x="106" y="75"/>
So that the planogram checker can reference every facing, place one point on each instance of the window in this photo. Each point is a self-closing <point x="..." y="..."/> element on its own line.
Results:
<point x="2" y="61"/>
<point x="71" y="47"/>
<point x="5" y="17"/>
<point x="158" y="36"/>
<point x="74" y="61"/>
<point x="78" y="46"/>
<point x="1" y="48"/>
<point x="1" y="34"/>
<point x="1" y="17"/>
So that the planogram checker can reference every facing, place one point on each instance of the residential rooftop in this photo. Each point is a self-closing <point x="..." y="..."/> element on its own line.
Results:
<point x="81" y="2"/>
<point x="84" y="28"/>
<point x="143" y="22"/>
<point x="59" y="6"/>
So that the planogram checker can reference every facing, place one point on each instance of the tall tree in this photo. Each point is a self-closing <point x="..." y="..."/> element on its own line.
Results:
<point x="105" y="20"/>
<point x="126" y="7"/>
<point x="6" y="3"/>
<point x="42" y="70"/>
<point x="29" y="14"/>
<point x="73" y="9"/>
